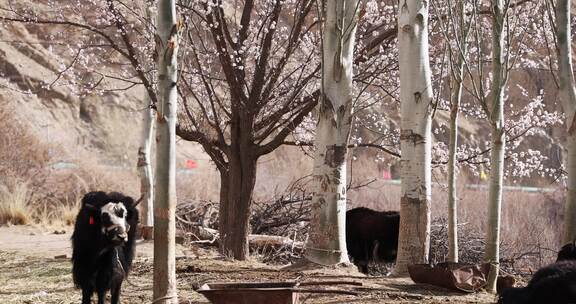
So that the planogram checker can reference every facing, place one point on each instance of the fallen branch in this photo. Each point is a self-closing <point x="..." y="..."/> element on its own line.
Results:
<point x="204" y="235"/>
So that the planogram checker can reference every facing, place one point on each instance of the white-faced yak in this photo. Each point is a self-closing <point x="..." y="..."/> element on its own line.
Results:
<point x="555" y="283"/>
<point x="103" y="244"/>
<point x="371" y="236"/>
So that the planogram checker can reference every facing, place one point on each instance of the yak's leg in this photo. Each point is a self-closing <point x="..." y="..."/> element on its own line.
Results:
<point x="115" y="292"/>
<point x="87" y="294"/>
<point x="363" y="264"/>
<point x="101" y="296"/>
<point x="375" y="249"/>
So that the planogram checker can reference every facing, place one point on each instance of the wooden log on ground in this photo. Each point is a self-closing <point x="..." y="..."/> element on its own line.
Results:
<point x="204" y="235"/>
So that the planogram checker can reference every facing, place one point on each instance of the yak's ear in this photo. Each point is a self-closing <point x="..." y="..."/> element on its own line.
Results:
<point x="93" y="200"/>
<point x="129" y="201"/>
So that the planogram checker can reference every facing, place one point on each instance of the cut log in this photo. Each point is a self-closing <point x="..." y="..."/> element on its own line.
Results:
<point x="203" y="235"/>
<point x="259" y="240"/>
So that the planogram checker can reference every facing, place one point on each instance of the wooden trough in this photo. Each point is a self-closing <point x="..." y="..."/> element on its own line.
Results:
<point x="457" y="276"/>
<point x="266" y="292"/>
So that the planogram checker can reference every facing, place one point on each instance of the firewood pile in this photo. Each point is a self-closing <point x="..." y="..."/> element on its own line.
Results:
<point x="279" y="225"/>
<point x="470" y="242"/>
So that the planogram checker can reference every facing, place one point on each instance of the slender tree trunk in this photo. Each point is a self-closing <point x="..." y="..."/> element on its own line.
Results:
<point x="456" y="79"/>
<point x="145" y="171"/>
<point x="456" y="94"/>
<point x="327" y="237"/>
<point x="144" y="165"/>
<point x="165" y="199"/>
<point x="492" y="253"/>
<point x="570" y="207"/>
<point x="568" y="97"/>
<point x="415" y="138"/>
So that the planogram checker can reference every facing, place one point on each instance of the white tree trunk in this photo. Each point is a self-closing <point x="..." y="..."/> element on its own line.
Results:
<point x="327" y="239"/>
<point x="568" y="97"/>
<point x="492" y="253"/>
<point x="456" y="80"/>
<point x="145" y="172"/>
<point x="455" y="97"/>
<point x="415" y="138"/>
<point x="165" y="199"/>
<point x="144" y="165"/>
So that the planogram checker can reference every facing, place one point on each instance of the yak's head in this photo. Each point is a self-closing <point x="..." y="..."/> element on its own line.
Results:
<point x="114" y="213"/>
<point x="114" y="224"/>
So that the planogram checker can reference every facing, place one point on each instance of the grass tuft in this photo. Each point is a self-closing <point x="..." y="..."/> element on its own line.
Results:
<point x="14" y="208"/>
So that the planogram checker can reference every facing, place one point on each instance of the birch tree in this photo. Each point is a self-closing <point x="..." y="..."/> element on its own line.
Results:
<point x="415" y="138"/>
<point x="165" y="198"/>
<point x="507" y="47"/>
<point x="456" y="78"/>
<point x="496" y="117"/>
<point x="567" y="92"/>
<point x="144" y="167"/>
<point x="327" y="237"/>
<point x="455" y="32"/>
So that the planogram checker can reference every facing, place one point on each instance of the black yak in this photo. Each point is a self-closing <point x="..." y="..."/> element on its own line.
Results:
<point x="555" y="283"/>
<point x="371" y="236"/>
<point x="103" y="244"/>
<point x="567" y="252"/>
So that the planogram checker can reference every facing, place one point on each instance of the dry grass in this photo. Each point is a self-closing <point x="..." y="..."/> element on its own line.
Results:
<point x="21" y="205"/>
<point x="21" y="160"/>
<point x="21" y="154"/>
<point x="67" y="213"/>
<point x="51" y="279"/>
<point x="14" y="208"/>
<point x="39" y="280"/>
<point x="33" y="192"/>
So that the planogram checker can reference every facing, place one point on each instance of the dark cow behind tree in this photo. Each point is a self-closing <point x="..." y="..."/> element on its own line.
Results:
<point x="371" y="236"/>
<point x="103" y="244"/>
<point x="555" y="283"/>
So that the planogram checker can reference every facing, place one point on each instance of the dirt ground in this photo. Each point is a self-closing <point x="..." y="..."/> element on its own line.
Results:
<point x="33" y="270"/>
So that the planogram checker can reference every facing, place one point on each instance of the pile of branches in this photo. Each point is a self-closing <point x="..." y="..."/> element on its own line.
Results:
<point x="470" y="243"/>
<point x="279" y="225"/>
<point x="516" y="259"/>
<point x="197" y="213"/>
<point x="286" y="216"/>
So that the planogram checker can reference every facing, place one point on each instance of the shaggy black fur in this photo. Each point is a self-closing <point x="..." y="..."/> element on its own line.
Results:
<point x="567" y="252"/>
<point x="555" y="283"/>
<point x="98" y="264"/>
<point x="371" y="235"/>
